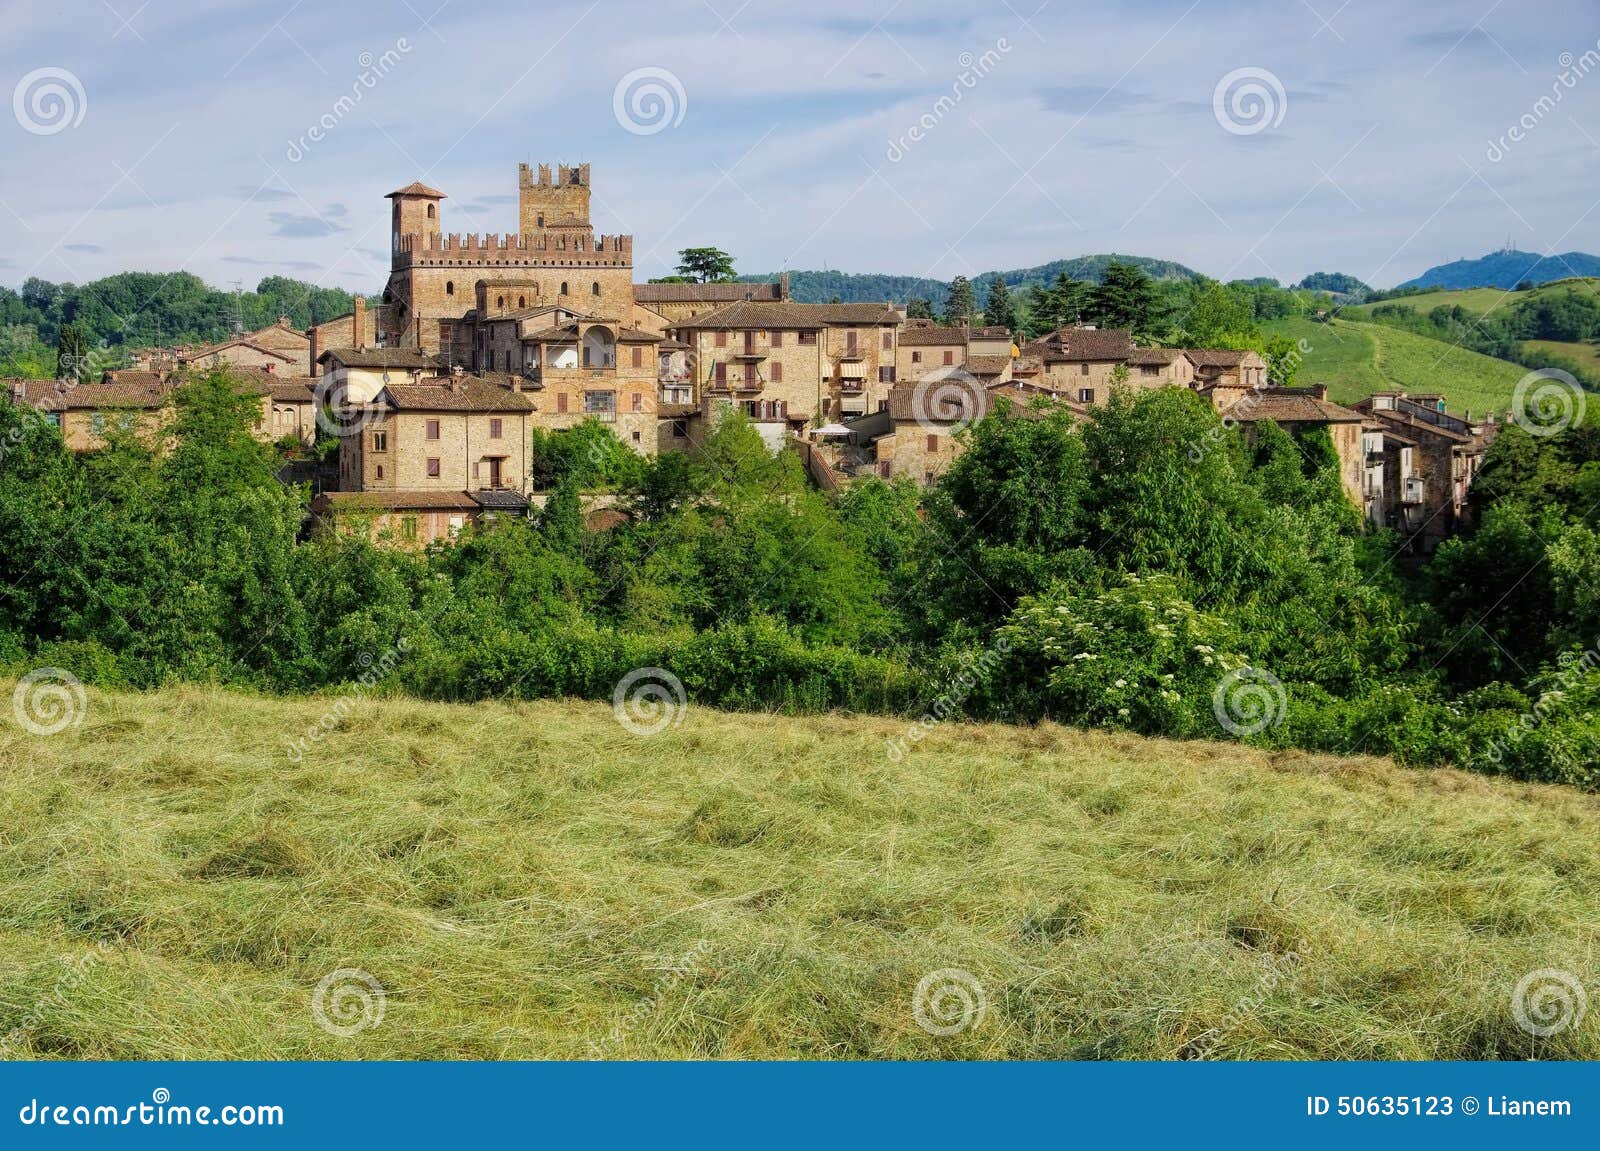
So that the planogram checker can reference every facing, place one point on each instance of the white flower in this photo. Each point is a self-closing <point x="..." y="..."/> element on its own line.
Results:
<point x="1084" y="655"/>
<point x="1122" y="683"/>
<point x="1123" y="712"/>
<point x="1204" y="648"/>
<point x="1209" y="661"/>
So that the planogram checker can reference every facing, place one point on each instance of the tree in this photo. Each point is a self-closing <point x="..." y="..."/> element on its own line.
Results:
<point x="72" y="352"/>
<point x="919" y="308"/>
<point x="961" y="304"/>
<point x="1126" y="298"/>
<point x="998" y="309"/>
<point x="1065" y="299"/>
<point x="706" y="265"/>
<point x="1217" y="317"/>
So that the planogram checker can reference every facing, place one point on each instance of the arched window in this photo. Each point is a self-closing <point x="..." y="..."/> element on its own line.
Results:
<point x="499" y="301"/>
<point x="563" y="287"/>
<point x="430" y="211"/>
<point x="522" y="301"/>
<point x="449" y="287"/>
<point x="594" y="288"/>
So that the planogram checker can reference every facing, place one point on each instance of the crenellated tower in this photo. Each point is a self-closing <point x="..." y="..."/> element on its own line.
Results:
<point x="547" y="202"/>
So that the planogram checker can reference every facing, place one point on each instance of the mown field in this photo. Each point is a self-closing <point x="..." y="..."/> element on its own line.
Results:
<point x="536" y="881"/>
<point x="1356" y="359"/>
<point x="1478" y="300"/>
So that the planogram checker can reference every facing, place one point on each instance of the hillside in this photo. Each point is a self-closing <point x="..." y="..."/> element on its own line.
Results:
<point x="1482" y="301"/>
<point x="819" y="287"/>
<point x="1506" y="269"/>
<point x="1356" y="359"/>
<point x="533" y="881"/>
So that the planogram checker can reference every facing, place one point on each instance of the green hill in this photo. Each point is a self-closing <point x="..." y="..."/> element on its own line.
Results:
<point x="533" y="881"/>
<point x="1506" y="269"/>
<point x="1480" y="301"/>
<point x="1357" y="359"/>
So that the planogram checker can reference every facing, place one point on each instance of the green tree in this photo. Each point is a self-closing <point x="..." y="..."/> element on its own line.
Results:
<point x="72" y="353"/>
<point x="919" y="308"/>
<point x="998" y="308"/>
<point x="961" y="304"/>
<point x="1126" y="298"/>
<point x="707" y="265"/>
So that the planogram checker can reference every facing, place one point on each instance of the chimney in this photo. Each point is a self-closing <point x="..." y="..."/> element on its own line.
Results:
<point x="783" y="285"/>
<point x="313" y="350"/>
<point x="358" y="324"/>
<point x="1321" y="391"/>
<point x="272" y="368"/>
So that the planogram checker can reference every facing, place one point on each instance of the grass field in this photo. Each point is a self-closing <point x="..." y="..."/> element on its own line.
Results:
<point x="1477" y="300"/>
<point x="1584" y="355"/>
<point x="1357" y="359"/>
<point x="536" y="881"/>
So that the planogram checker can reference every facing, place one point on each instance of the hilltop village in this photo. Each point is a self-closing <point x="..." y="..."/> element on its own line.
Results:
<point x="435" y="390"/>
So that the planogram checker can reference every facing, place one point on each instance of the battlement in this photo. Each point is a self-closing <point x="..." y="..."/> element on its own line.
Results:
<point x="566" y="176"/>
<point x="528" y="248"/>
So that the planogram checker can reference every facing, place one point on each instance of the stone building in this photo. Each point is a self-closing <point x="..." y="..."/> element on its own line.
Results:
<point x="1430" y="460"/>
<point x="1079" y="362"/>
<point x="1297" y="410"/>
<point x="673" y="302"/>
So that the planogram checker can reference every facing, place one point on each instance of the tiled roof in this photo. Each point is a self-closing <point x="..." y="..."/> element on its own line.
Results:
<point x="788" y="315"/>
<point x="1160" y="356"/>
<point x="402" y="359"/>
<point x="500" y="499"/>
<point x="987" y="365"/>
<point x="939" y="401"/>
<point x="706" y="293"/>
<point x="237" y="342"/>
<point x="393" y="501"/>
<point x="148" y="390"/>
<point x="468" y="394"/>
<point x="1074" y="344"/>
<point x="1223" y="358"/>
<point x="416" y="188"/>
<point x="637" y="336"/>
<point x="1289" y="406"/>
<point x="923" y="335"/>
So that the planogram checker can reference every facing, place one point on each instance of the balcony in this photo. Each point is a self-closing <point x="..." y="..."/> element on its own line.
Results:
<point x="1412" y="491"/>
<point x="852" y="387"/>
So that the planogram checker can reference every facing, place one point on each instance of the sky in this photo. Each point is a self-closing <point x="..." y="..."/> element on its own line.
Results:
<point x="241" y="140"/>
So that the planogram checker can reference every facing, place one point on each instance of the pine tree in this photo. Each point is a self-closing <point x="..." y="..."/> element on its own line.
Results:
<point x="72" y="351"/>
<point x="961" y="304"/>
<point x="1067" y="298"/>
<point x="998" y="309"/>
<point x="919" y="308"/>
<point x="1126" y="298"/>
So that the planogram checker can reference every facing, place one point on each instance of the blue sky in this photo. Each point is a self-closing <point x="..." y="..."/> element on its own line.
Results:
<point x="175" y="134"/>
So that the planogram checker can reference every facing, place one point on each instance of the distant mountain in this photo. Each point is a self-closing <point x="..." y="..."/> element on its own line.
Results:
<point x="1507" y="269"/>
<point x="854" y="287"/>
<point x="1338" y="283"/>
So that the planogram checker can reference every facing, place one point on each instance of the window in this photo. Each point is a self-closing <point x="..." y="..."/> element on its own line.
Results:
<point x="449" y="287"/>
<point x="433" y="467"/>
<point x="541" y="219"/>
<point x="408" y="528"/>
<point x="636" y="438"/>
<point x="97" y="423"/>
<point x="850" y="342"/>
<point x="380" y="441"/>
<point x="496" y="426"/>
<point x="886" y="375"/>
<point x="721" y="373"/>
<point x="1083" y="369"/>
<point x="949" y="358"/>
<point x="777" y="339"/>
<point x="927" y="478"/>
<point x="1086" y="395"/>
<point x="433" y="429"/>
<point x="594" y="288"/>
<point x="430" y="211"/>
<point x="561" y="402"/>
<point x="933" y="444"/>
<point x="499" y="301"/>
<point x="888" y="340"/>
<point x="600" y="404"/>
<point x="777" y="373"/>
<point x="722" y="339"/>
<point x="1149" y="370"/>
<point x="379" y="472"/>
<point x="522" y="301"/>
<point x="916" y="357"/>
<point x="563" y="287"/>
<point x="638" y="402"/>
<point x="638" y="356"/>
<point x="680" y="429"/>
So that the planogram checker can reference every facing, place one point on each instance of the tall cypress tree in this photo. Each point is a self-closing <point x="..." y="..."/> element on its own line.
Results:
<point x="998" y="309"/>
<point x="962" y="303"/>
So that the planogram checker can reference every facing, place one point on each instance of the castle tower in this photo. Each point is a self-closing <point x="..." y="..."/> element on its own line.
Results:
<point x="546" y="202"/>
<point x="416" y="213"/>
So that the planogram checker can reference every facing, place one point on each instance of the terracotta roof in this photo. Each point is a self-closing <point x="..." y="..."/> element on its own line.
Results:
<point x="637" y="336"/>
<point x="988" y="365"/>
<point x="922" y="335"/>
<point x="708" y="293"/>
<point x="236" y="342"/>
<point x="1075" y="344"/>
<point x="993" y="332"/>
<point x="939" y="401"/>
<point x="393" y="501"/>
<point x="499" y="499"/>
<point x="1161" y="356"/>
<point x="789" y="315"/>
<point x="1222" y="358"/>
<point x="403" y="359"/>
<point x="146" y="390"/>
<point x="1415" y="424"/>
<point x="1290" y="406"/>
<point x="675" y="411"/>
<point x="416" y="188"/>
<point x="674" y="346"/>
<point x="469" y="394"/>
